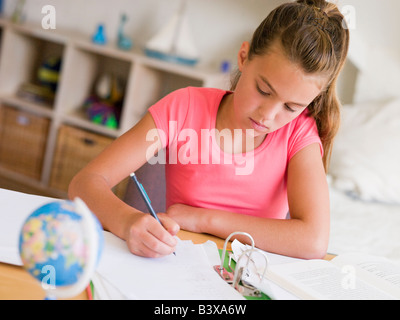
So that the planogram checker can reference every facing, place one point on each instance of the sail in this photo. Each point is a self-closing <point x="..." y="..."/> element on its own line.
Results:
<point x="164" y="39"/>
<point x="185" y="43"/>
<point x="174" y="42"/>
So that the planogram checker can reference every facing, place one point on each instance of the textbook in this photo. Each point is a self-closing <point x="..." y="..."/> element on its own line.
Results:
<point x="352" y="276"/>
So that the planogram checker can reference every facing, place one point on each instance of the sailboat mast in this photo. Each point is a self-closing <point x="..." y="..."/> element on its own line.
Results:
<point x="179" y="25"/>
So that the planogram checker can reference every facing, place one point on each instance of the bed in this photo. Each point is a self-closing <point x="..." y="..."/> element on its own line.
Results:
<point x="364" y="180"/>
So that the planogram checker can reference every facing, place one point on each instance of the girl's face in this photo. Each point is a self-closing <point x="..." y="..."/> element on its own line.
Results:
<point x="271" y="92"/>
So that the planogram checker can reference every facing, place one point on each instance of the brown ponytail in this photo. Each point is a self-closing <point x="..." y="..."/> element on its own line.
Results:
<point x="314" y="35"/>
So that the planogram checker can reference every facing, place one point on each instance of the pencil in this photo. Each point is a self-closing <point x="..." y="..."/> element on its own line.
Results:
<point x="145" y="197"/>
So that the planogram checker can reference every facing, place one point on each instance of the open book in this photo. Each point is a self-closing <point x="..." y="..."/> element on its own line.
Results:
<point x="346" y="277"/>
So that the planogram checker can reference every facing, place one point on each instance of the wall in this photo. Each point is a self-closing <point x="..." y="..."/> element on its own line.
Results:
<point x="375" y="48"/>
<point x="219" y="27"/>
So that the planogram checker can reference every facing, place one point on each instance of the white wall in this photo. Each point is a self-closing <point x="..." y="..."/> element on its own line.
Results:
<point x="375" y="48"/>
<point x="219" y="27"/>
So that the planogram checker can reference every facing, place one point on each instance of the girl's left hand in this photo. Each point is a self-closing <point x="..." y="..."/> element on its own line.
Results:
<point x="189" y="218"/>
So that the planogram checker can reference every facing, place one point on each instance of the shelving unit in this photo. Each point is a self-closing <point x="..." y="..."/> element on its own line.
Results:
<point x="145" y="80"/>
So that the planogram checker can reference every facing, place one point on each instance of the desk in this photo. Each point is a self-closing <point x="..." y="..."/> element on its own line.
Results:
<point x="17" y="284"/>
<point x="198" y="238"/>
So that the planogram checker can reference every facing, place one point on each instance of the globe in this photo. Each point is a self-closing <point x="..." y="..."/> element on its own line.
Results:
<point x="60" y="245"/>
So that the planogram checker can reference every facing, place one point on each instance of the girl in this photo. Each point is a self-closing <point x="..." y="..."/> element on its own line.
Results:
<point x="282" y="113"/>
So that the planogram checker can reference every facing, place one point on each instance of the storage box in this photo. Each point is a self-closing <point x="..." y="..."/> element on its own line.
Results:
<point x="23" y="138"/>
<point x="75" y="149"/>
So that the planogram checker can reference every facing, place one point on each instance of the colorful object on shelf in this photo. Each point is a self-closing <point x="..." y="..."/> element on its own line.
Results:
<point x="100" y="37"/>
<point x="104" y="106"/>
<point x="174" y="42"/>
<point x="108" y="88"/>
<point x="49" y="72"/>
<point x="60" y="245"/>
<point x="124" y="43"/>
<point x="44" y="88"/>
<point x="100" y="112"/>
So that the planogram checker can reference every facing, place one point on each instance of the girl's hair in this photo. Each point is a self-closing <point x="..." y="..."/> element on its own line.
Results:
<point x="314" y="35"/>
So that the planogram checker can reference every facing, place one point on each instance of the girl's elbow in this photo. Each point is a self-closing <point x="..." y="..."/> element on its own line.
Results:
<point x="73" y="187"/>
<point x="317" y="253"/>
<point x="316" y="248"/>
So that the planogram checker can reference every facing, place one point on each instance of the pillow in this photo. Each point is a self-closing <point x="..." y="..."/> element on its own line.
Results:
<point x="368" y="87"/>
<point x="366" y="153"/>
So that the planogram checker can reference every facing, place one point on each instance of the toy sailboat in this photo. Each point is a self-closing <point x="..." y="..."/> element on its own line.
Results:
<point x="174" y="42"/>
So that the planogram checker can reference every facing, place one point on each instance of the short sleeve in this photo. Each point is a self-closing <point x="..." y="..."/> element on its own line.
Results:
<point x="304" y="133"/>
<point x="170" y="113"/>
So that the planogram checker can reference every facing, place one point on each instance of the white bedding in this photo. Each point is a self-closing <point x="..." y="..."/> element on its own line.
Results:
<point x="366" y="152"/>
<point x="361" y="226"/>
<point x="365" y="180"/>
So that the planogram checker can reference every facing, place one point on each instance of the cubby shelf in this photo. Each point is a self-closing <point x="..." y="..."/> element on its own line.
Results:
<point x="23" y="48"/>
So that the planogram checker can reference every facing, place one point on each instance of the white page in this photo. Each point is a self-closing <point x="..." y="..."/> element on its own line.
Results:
<point x="104" y="290"/>
<point x="256" y="268"/>
<point x="378" y="270"/>
<point x="238" y="248"/>
<point x="320" y="279"/>
<point x="186" y="276"/>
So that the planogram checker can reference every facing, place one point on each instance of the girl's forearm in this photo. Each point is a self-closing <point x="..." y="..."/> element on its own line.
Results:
<point x="292" y="237"/>
<point x="98" y="196"/>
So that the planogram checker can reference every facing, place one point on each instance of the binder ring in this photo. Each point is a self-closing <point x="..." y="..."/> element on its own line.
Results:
<point x="221" y="267"/>
<point x="250" y="251"/>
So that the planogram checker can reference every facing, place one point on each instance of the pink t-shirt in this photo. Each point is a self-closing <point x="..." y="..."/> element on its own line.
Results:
<point x="200" y="174"/>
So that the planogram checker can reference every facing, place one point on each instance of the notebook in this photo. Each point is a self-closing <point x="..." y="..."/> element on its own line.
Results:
<point x="188" y="275"/>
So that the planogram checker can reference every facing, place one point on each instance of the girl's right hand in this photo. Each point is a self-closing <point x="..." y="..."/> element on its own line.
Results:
<point x="147" y="238"/>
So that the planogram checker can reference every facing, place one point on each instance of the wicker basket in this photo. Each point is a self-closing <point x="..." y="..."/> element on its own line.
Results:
<point x="23" y="138"/>
<point x="75" y="149"/>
